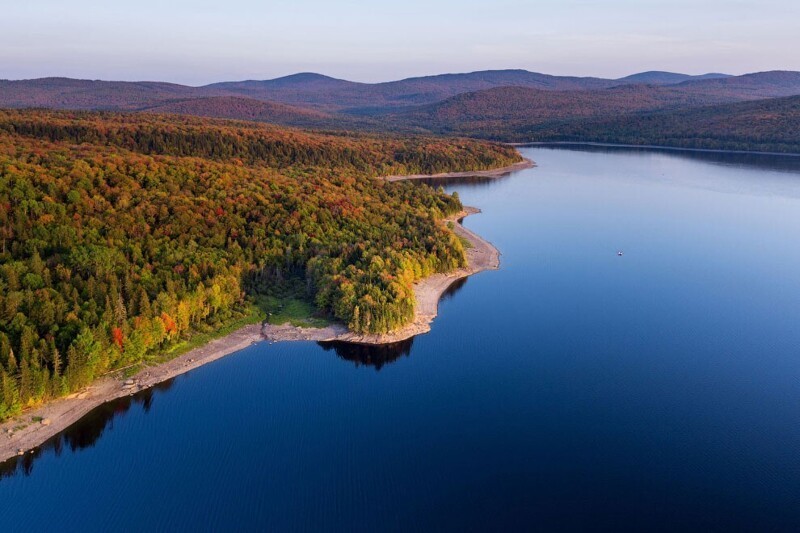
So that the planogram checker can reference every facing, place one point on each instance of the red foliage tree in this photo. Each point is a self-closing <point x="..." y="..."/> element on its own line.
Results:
<point x="118" y="337"/>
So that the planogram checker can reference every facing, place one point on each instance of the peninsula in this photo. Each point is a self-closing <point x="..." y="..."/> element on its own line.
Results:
<point x="43" y="418"/>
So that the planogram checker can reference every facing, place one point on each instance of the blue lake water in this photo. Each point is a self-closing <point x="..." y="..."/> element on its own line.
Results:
<point x="572" y="389"/>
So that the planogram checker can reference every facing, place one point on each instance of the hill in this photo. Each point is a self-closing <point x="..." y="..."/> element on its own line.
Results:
<point x="331" y="95"/>
<point x="67" y="93"/>
<point x="308" y="89"/>
<point x="657" y="77"/>
<point x="772" y="84"/>
<point x="771" y="125"/>
<point x="496" y="113"/>
<point x="238" y="108"/>
<point x="305" y="90"/>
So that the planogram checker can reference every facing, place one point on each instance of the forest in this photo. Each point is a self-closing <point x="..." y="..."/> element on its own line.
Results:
<point x="124" y="234"/>
<point x="771" y="125"/>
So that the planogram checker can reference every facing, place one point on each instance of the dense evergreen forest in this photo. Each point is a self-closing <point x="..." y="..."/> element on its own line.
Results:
<point x="122" y="234"/>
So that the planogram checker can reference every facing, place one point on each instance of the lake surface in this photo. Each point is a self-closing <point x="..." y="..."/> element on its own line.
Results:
<point x="572" y="389"/>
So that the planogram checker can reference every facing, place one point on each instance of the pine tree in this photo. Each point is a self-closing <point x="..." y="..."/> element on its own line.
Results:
<point x="144" y="304"/>
<point x="120" y="313"/>
<point x="25" y="381"/>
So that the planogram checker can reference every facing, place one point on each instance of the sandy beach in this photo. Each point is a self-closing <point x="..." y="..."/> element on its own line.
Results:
<point x="23" y="433"/>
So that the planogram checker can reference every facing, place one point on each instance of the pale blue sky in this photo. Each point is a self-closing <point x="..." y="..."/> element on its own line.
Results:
<point x="201" y="41"/>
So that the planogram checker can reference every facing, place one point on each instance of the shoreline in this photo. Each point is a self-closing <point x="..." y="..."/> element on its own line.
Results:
<point x="22" y="433"/>
<point x="25" y="432"/>
<point x="57" y="415"/>
<point x="427" y="292"/>
<point x="493" y="173"/>
<point x="648" y="147"/>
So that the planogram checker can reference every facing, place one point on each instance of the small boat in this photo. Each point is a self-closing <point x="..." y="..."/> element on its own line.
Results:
<point x="619" y="253"/>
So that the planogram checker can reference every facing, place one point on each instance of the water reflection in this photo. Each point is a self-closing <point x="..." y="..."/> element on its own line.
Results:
<point x="476" y="181"/>
<point x="89" y="429"/>
<point x="369" y="355"/>
<point x="761" y="161"/>
<point x="454" y="287"/>
<point x="379" y="356"/>
<point x="86" y="432"/>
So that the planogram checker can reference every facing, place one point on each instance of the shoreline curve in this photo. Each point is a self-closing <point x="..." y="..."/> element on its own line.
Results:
<point x="25" y="432"/>
<point x="481" y="256"/>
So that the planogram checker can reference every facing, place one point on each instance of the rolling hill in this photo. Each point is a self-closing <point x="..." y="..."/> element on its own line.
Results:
<point x="771" y="125"/>
<point x="67" y="93"/>
<point x="238" y="108"/>
<point x="334" y="95"/>
<point x="774" y="84"/>
<point x="495" y="113"/>
<point x="657" y="77"/>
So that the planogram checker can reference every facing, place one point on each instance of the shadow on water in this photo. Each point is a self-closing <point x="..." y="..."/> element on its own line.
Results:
<point x="88" y="430"/>
<point x="470" y="181"/>
<point x="454" y="287"/>
<point x="369" y="355"/>
<point x="379" y="356"/>
<point x="85" y="432"/>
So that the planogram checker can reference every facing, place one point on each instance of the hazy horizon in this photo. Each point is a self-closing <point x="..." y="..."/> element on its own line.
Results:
<point x="196" y="43"/>
<point x="288" y="74"/>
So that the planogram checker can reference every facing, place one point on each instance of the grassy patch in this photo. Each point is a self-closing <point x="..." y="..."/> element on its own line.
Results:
<point x="466" y="243"/>
<point x="295" y="311"/>
<point x="273" y="309"/>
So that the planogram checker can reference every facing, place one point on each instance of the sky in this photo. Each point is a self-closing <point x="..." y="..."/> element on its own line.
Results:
<point x="200" y="41"/>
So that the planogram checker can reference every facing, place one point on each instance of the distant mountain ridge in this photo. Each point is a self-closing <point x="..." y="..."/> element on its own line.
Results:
<point x="657" y="77"/>
<point x="493" y="104"/>
<point x="334" y="95"/>
<point x="68" y="93"/>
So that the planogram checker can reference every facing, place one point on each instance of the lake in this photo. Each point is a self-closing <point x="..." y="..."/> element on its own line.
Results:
<point x="572" y="389"/>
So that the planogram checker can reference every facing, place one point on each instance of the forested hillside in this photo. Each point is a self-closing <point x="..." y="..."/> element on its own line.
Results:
<point x="765" y="125"/>
<point x="232" y="107"/>
<point x="122" y="235"/>
<point x="495" y="113"/>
